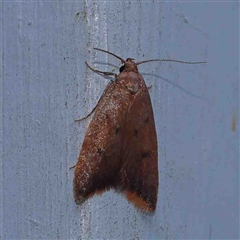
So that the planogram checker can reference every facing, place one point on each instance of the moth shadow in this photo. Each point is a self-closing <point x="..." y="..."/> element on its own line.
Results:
<point x="104" y="63"/>
<point x="174" y="84"/>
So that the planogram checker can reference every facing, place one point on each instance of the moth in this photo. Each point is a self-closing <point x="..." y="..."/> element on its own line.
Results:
<point x="120" y="148"/>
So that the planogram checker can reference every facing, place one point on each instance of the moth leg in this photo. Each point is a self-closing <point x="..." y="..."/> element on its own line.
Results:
<point x="149" y="87"/>
<point x="72" y="167"/>
<point x="104" y="73"/>
<point x="89" y="114"/>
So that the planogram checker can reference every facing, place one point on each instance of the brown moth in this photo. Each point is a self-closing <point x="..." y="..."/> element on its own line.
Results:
<point x="120" y="149"/>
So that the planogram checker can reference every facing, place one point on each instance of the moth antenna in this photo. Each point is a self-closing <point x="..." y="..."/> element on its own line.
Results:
<point x="123" y="61"/>
<point x="168" y="60"/>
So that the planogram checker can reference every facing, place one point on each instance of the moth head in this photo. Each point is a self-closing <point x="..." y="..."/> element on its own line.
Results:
<point x="129" y="66"/>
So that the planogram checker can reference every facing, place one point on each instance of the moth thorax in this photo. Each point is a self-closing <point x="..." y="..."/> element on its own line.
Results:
<point x="130" y="65"/>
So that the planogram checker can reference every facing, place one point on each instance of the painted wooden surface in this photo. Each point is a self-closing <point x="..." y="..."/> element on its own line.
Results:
<point x="45" y="86"/>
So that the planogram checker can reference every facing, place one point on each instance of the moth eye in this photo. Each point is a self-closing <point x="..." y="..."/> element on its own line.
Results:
<point x="121" y="68"/>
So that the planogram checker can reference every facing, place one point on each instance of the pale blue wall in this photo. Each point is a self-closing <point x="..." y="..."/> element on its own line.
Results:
<point x="45" y="86"/>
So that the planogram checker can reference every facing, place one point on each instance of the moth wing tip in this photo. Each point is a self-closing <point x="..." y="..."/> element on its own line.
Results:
<point x="79" y="200"/>
<point x="139" y="202"/>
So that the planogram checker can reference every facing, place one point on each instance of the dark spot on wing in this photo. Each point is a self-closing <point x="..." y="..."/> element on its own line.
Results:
<point x="145" y="155"/>
<point x="147" y="120"/>
<point x="135" y="133"/>
<point x="100" y="151"/>
<point x="117" y="128"/>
